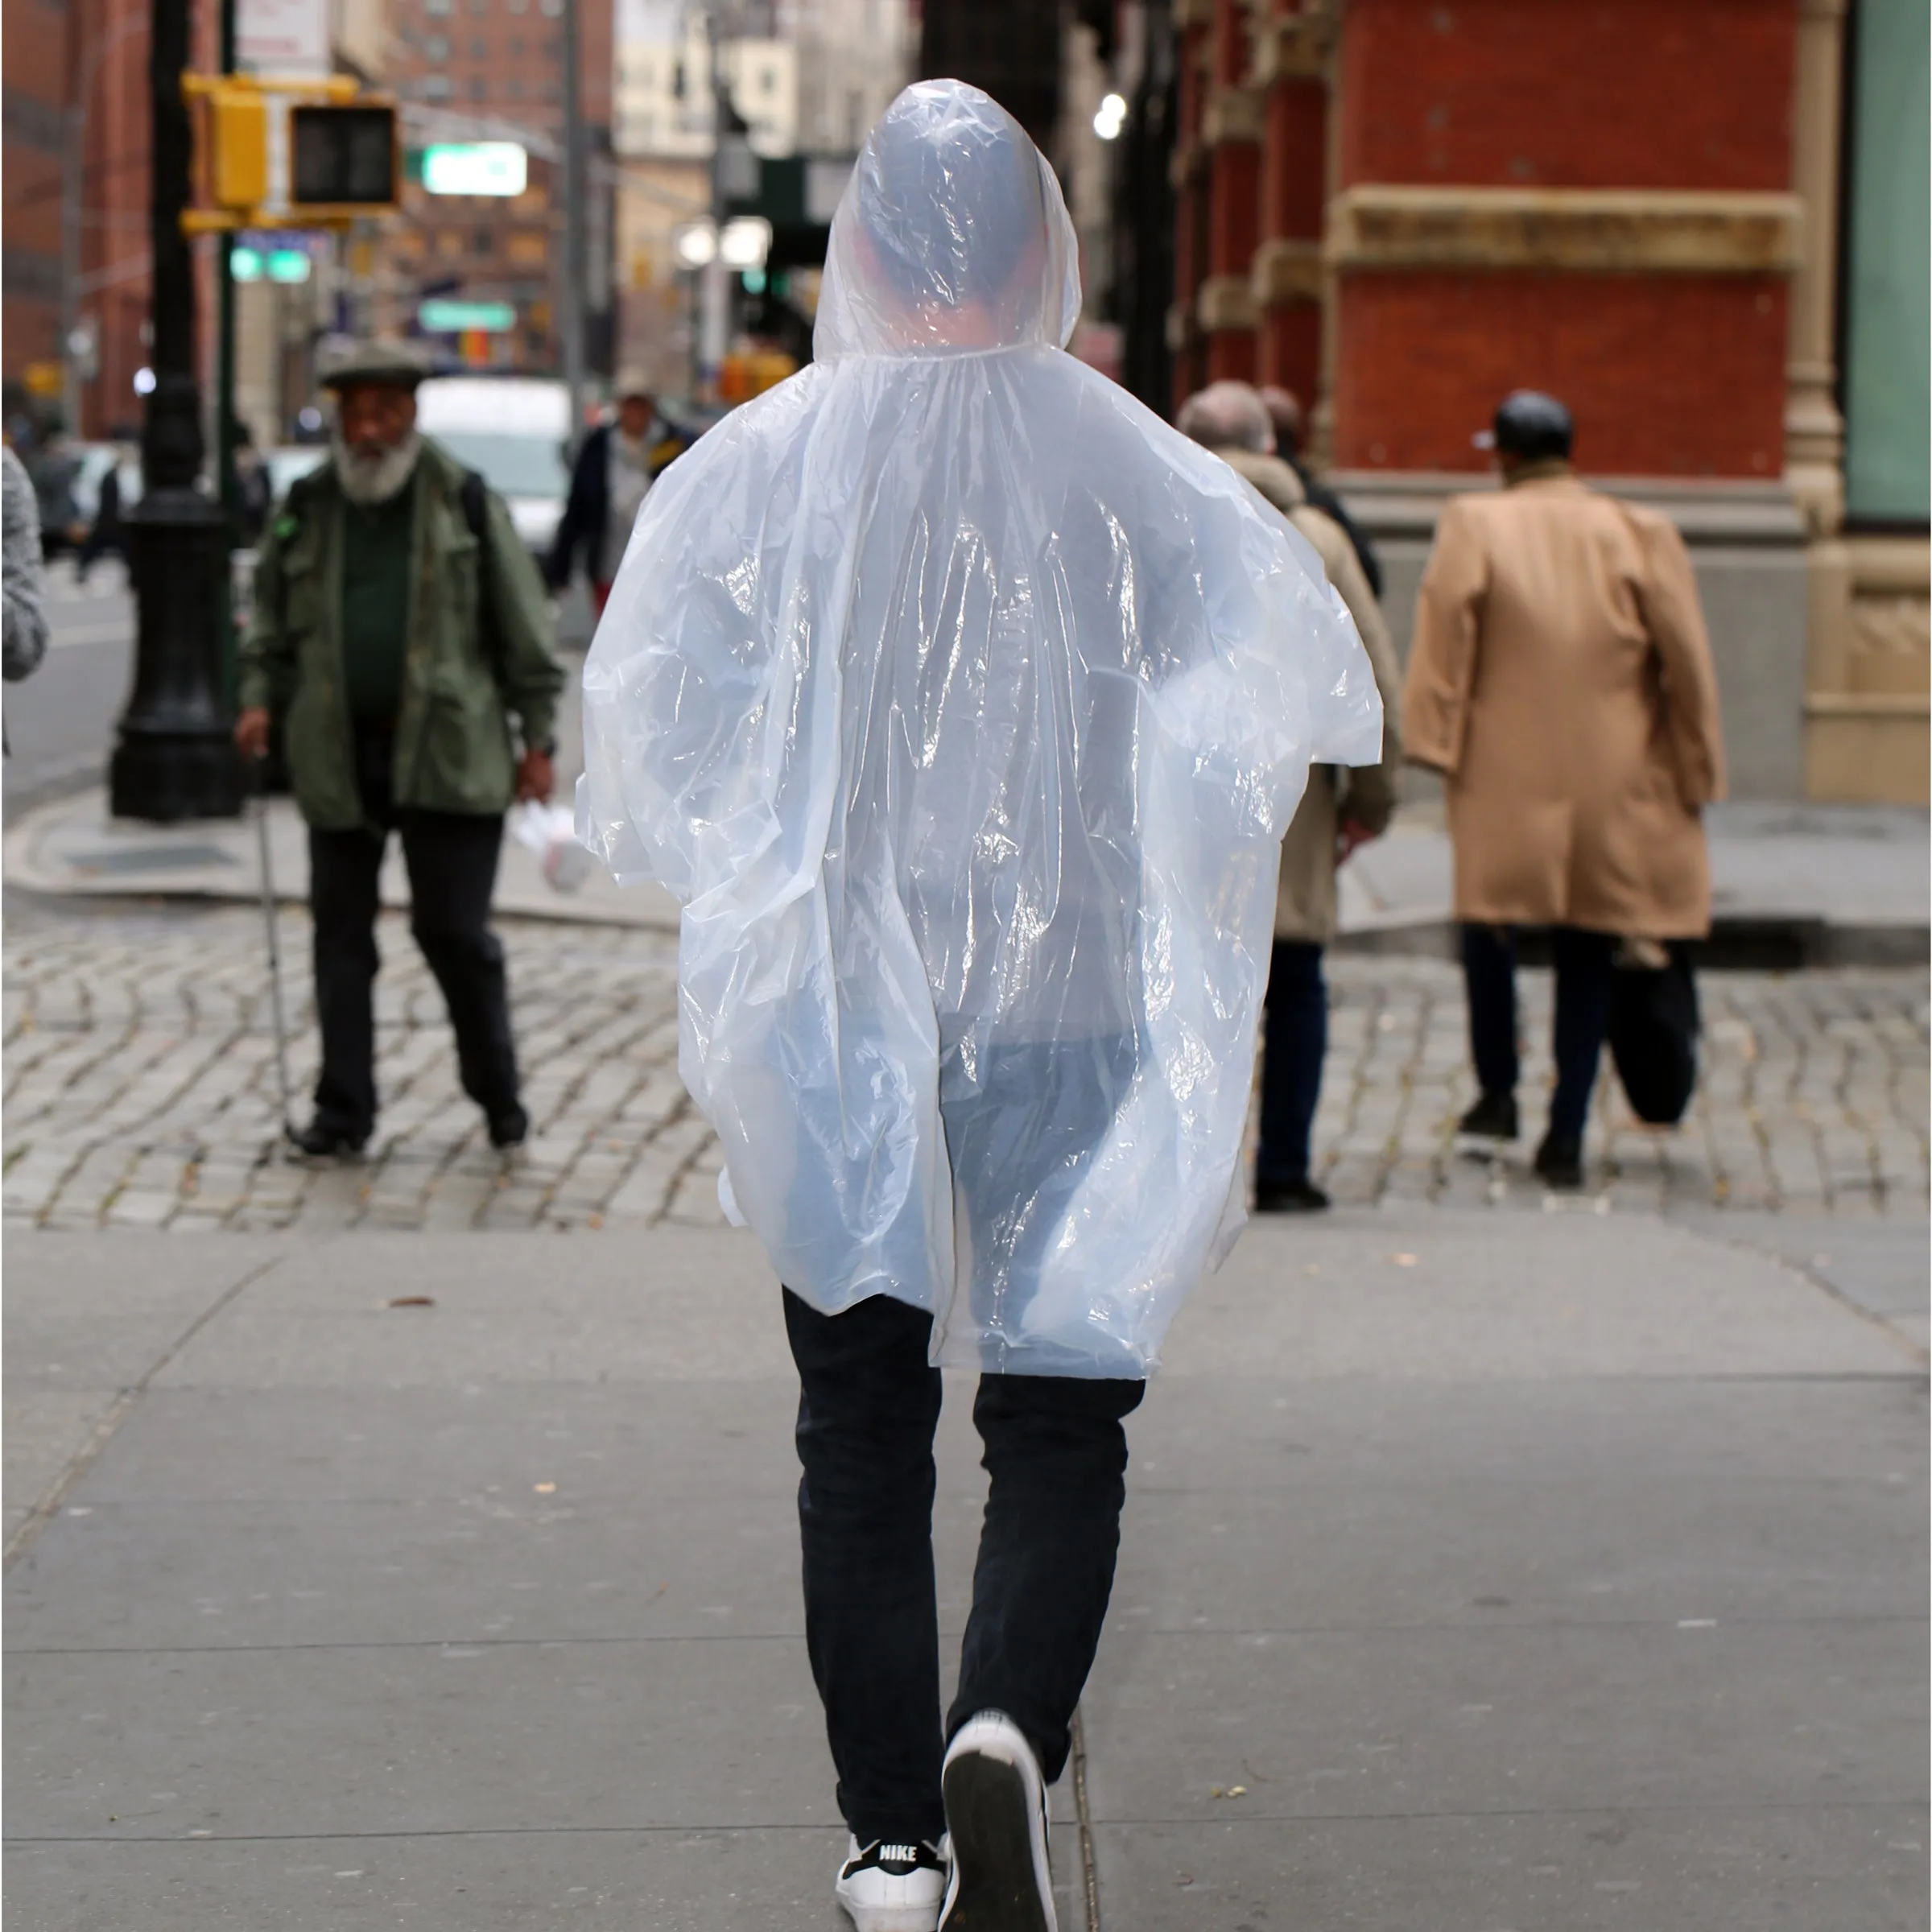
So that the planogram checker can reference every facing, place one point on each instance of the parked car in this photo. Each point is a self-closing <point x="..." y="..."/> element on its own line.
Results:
<point x="513" y="430"/>
<point x="290" y="462"/>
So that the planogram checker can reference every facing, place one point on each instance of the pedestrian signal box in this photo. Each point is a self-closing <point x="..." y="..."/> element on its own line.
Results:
<point x="343" y="157"/>
<point x="344" y="154"/>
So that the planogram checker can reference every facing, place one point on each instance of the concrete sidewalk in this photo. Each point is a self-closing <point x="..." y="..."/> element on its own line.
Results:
<point x="1807" y="884"/>
<point x="1561" y="1570"/>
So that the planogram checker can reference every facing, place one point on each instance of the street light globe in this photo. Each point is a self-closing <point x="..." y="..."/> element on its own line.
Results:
<point x="695" y="247"/>
<point x="144" y="382"/>
<point x="1111" y="118"/>
<point x="745" y="242"/>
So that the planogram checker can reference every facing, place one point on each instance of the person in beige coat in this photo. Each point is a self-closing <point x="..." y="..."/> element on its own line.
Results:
<point x="1339" y="811"/>
<point x="1561" y="682"/>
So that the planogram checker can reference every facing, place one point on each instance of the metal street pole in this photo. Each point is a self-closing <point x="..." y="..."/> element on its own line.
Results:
<point x="174" y="759"/>
<point x="570" y="309"/>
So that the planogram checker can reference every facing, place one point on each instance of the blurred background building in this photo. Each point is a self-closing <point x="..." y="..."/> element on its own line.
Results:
<point x="1702" y="225"/>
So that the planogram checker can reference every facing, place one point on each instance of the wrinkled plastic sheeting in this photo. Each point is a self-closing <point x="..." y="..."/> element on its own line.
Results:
<point x="963" y="703"/>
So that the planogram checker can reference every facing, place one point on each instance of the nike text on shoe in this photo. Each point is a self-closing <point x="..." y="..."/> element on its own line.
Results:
<point x="996" y="1817"/>
<point x="889" y="1888"/>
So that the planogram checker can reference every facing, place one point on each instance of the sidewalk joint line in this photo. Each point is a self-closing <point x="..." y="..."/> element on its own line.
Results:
<point x="1090" y="1876"/>
<point x="44" y="1511"/>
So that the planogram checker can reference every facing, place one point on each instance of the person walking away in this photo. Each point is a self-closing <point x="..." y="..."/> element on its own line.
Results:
<point x="398" y="625"/>
<point x="108" y="529"/>
<point x="1341" y="810"/>
<point x="1284" y="410"/>
<point x="1561" y="682"/>
<point x="961" y="700"/>
<point x="614" y="471"/>
<point x="254" y="488"/>
<point x="23" y="574"/>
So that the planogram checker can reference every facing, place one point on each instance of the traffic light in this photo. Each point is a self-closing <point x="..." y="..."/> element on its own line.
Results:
<point x="344" y="154"/>
<point x="343" y="157"/>
<point x="238" y="126"/>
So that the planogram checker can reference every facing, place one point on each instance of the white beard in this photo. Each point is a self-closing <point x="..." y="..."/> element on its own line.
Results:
<point x="372" y="480"/>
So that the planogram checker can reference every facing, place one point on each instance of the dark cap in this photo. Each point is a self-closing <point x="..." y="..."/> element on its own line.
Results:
<point x="390" y="365"/>
<point x="1531" y="425"/>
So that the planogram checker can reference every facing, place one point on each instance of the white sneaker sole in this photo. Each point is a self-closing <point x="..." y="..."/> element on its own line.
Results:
<point x="889" y="1918"/>
<point x="996" y="1815"/>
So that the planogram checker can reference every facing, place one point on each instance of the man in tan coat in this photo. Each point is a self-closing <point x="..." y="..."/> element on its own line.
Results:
<point x="1561" y="681"/>
<point x="1339" y="810"/>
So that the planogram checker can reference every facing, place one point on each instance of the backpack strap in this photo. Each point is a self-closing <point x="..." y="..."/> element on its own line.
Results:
<point x="475" y="514"/>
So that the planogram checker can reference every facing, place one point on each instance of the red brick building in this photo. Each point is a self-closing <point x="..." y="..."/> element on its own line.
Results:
<point x="1401" y="209"/>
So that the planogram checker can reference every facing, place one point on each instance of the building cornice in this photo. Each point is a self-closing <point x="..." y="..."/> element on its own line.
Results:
<point x="1286" y="272"/>
<point x="1590" y="231"/>
<point x="1234" y="113"/>
<point x="1225" y="302"/>
<point x="1293" y="46"/>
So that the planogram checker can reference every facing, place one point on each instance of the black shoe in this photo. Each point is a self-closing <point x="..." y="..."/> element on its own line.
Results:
<point x="996" y="1817"/>
<point x="509" y="1130"/>
<point x="1289" y="1197"/>
<point x="323" y="1141"/>
<point x="1492" y="1117"/>
<point x="1559" y="1160"/>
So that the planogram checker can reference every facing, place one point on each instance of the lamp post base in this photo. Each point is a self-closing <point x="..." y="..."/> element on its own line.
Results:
<point x="176" y="758"/>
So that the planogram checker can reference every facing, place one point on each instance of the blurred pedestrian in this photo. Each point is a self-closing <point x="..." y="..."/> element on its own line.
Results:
<point x="615" y="469"/>
<point x="1285" y="413"/>
<point x="22" y="575"/>
<point x="963" y="703"/>
<point x="398" y="624"/>
<point x="1561" y="681"/>
<point x="108" y="529"/>
<point x="254" y="488"/>
<point x="1341" y="809"/>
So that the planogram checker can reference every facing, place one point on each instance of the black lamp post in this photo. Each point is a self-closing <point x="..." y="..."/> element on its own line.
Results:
<point x="175" y="759"/>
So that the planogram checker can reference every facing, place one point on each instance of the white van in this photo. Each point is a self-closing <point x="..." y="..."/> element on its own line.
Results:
<point x="513" y="430"/>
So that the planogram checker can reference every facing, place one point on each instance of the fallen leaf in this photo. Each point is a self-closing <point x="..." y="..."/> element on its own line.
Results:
<point x="1403" y="1261"/>
<point x="547" y="1489"/>
<point x="414" y="1301"/>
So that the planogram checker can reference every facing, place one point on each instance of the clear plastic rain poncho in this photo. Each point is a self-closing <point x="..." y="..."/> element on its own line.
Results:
<point x="963" y="703"/>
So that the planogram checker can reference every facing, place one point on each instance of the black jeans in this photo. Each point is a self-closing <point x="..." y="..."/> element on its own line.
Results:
<point x="451" y="858"/>
<point x="1294" y="1046"/>
<point x="1057" y="1457"/>
<point x="1584" y="962"/>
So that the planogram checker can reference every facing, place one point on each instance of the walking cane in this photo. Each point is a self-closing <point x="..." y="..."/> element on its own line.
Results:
<point x="275" y="948"/>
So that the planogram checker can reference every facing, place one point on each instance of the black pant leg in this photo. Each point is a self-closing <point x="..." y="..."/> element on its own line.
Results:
<point x="1584" y="963"/>
<point x="343" y="869"/>
<point x="1057" y="1456"/>
<point x="868" y="1405"/>
<point x="452" y="872"/>
<point x="1489" y="975"/>
<point x="1295" y="1042"/>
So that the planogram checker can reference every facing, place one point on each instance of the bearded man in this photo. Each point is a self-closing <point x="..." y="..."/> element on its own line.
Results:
<point x="399" y="624"/>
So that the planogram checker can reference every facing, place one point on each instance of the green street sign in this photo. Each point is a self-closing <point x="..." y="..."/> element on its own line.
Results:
<point x="444" y="316"/>
<point x="475" y="168"/>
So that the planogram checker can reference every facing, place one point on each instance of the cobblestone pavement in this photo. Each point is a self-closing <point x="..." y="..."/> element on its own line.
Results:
<point x="140" y="1089"/>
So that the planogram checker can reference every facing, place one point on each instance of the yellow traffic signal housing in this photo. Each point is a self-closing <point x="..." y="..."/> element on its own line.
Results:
<point x="345" y="152"/>
<point x="238" y="126"/>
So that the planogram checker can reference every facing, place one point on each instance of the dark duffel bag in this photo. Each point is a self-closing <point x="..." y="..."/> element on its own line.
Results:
<point x="1653" y="1033"/>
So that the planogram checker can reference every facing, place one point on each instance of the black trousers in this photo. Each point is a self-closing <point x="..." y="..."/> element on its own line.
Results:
<point x="1293" y="1046"/>
<point x="1584" y="962"/>
<point x="451" y="858"/>
<point x="1057" y="1457"/>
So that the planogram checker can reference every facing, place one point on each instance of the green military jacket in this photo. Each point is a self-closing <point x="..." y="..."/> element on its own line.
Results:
<point x="478" y="651"/>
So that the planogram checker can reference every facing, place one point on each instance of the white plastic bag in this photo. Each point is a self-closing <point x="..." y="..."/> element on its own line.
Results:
<point x="963" y="703"/>
<point x="550" y="831"/>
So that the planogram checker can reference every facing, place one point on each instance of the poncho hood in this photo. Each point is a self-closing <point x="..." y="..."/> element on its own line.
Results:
<point x="951" y="237"/>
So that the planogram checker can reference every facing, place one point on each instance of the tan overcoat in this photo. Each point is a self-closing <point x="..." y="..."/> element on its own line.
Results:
<point x="1561" y="681"/>
<point x="1304" y="904"/>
